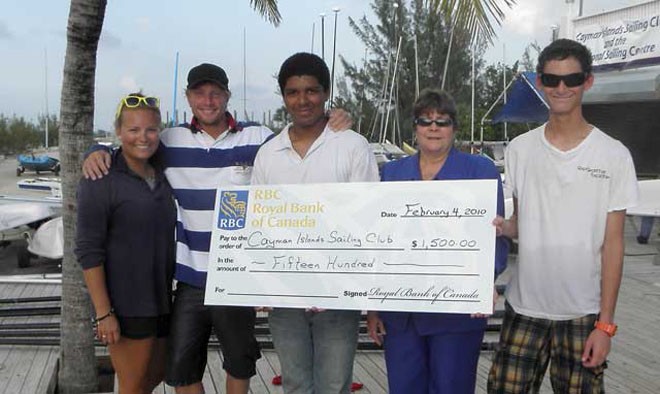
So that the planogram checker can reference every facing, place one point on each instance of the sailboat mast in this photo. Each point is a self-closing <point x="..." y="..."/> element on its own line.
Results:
<point x="175" y="117"/>
<point x="245" y="114"/>
<point x="334" y="58"/>
<point x="361" y="115"/>
<point x="313" y="28"/>
<point x="416" y="68"/>
<point x="472" y="82"/>
<point x="389" y="100"/>
<point x="504" y="84"/>
<point x="444" y="72"/>
<point x="46" y="92"/>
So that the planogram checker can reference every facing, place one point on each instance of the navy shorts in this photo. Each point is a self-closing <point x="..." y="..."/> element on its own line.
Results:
<point x="144" y="327"/>
<point x="191" y="325"/>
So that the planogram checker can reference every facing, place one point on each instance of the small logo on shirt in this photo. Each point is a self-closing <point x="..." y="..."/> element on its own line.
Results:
<point x="595" y="172"/>
<point x="233" y="208"/>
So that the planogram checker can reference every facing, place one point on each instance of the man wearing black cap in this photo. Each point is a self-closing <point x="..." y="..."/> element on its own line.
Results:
<point x="208" y="94"/>
<point x="212" y="150"/>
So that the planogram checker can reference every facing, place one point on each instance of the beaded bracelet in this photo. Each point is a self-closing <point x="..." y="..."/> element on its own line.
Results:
<point x="95" y="321"/>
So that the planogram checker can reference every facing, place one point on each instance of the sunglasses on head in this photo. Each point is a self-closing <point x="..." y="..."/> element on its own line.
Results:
<point x="570" y="80"/>
<point x="136" y="101"/>
<point x="438" y="122"/>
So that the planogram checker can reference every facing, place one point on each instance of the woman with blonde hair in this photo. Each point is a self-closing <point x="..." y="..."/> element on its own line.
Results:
<point x="125" y="244"/>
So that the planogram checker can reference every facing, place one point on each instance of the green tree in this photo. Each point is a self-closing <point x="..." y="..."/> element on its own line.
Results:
<point x="530" y="56"/>
<point x="415" y="24"/>
<point x="77" y="362"/>
<point x="53" y="129"/>
<point x="17" y="135"/>
<point x="4" y="135"/>
<point x="491" y="85"/>
<point x="280" y="119"/>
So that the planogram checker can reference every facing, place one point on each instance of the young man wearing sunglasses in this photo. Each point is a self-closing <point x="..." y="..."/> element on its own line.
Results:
<point x="571" y="185"/>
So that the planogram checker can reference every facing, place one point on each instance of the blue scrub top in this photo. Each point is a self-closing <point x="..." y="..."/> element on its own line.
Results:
<point x="458" y="165"/>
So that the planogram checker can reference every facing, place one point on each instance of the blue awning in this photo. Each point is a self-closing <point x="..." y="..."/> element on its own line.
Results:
<point x="525" y="103"/>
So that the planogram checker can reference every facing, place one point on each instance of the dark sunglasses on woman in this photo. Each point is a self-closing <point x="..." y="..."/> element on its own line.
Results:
<point x="438" y="122"/>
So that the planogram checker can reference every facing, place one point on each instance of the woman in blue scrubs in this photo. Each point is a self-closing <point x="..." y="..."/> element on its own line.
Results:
<point x="435" y="352"/>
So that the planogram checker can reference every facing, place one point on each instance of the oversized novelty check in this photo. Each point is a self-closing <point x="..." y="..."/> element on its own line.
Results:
<point x="397" y="246"/>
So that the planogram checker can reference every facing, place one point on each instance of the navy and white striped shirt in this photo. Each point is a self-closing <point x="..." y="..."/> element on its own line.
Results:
<point x="195" y="165"/>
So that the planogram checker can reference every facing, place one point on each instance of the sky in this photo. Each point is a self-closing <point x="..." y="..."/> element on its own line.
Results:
<point x="140" y="40"/>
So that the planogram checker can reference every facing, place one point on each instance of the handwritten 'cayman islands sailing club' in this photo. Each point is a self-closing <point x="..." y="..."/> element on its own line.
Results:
<point x="413" y="246"/>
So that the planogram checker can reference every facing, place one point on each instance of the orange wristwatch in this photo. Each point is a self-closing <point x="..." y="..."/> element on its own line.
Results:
<point x="609" y="329"/>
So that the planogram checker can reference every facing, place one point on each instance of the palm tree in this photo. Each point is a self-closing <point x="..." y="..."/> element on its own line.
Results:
<point x="267" y="9"/>
<point x="475" y="16"/>
<point x="77" y="373"/>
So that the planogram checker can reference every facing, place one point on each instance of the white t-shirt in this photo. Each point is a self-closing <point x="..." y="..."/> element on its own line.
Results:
<point x="334" y="157"/>
<point x="563" y="202"/>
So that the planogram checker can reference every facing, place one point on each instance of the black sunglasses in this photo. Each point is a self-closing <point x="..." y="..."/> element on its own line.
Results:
<point x="570" y="80"/>
<point x="438" y="122"/>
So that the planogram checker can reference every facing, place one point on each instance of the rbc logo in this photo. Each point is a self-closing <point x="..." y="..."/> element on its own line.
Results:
<point x="233" y="207"/>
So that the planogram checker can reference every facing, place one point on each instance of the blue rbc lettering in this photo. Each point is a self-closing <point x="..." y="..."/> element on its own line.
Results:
<point x="231" y="223"/>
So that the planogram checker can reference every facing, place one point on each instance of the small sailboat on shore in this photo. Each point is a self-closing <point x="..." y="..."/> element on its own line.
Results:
<point x="37" y="163"/>
<point x="52" y="185"/>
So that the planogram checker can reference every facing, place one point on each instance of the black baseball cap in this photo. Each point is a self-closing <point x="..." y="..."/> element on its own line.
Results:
<point x="206" y="72"/>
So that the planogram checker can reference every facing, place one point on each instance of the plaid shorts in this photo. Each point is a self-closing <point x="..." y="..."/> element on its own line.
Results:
<point x="526" y="346"/>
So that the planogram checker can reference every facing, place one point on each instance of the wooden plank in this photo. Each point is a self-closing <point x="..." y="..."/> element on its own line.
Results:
<point x="270" y="357"/>
<point x="215" y="375"/>
<point x="13" y="377"/>
<point x="362" y="375"/>
<point x="48" y="379"/>
<point x="38" y="369"/>
<point x="378" y="359"/>
<point x="265" y="373"/>
<point x="10" y="290"/>
<point x="25" y="369"/>
<point x="369" y="373"/>
<point x="5" y="364"/>
<point x="261" y="384"/>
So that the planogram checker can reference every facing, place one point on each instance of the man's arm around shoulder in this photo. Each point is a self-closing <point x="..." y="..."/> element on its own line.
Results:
<point x="97" y="162"/>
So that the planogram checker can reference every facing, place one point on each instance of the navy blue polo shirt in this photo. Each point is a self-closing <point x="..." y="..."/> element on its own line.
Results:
<point x="128" y="228"/>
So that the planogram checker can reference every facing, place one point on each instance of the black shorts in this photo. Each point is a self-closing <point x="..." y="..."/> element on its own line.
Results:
<point x="144" y="327"/>
<point x="191" y="324"/>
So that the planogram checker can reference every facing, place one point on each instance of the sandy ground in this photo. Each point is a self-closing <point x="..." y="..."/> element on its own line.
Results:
<point x="8" y="187"/>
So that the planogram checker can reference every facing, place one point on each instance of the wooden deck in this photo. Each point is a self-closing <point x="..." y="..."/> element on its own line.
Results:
<point x="634" y="363"/>
<point x="27" y="369"/>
